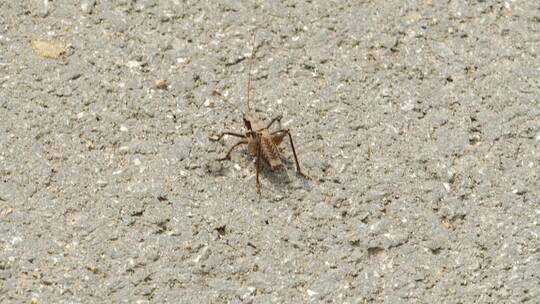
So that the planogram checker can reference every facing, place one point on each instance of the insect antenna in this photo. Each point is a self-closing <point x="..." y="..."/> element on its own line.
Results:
<point x="249" y="72"/>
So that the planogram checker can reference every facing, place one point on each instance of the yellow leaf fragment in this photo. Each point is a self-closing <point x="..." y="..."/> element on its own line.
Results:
<point x="49" y="49"/>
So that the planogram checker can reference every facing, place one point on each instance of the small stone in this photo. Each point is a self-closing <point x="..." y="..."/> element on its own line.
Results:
<point x="203" y="255"/>
<point x="520" y="190"/>
<point x="376" y="253"/>
<point x="162" y="84"/>
<point x="354" y="239"/>
<point x="72" y="75"/>
<point x="133" y="64"/>
<point x="87" y="6"/>
<point x="209" y="103"/>
<point x="6" y="212"/>
<point x="407" y="107"/>
<point x="447" y="187"/>
<point x="213" y="167"/>
<point x="43" y="10"/>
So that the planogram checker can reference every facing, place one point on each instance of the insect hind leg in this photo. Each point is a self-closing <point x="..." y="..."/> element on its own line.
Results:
<point x="280" y="137"/>
<point x="258" y="164"/>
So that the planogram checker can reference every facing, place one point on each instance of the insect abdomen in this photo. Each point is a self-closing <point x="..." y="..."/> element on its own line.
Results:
<point x="270" y="151"/>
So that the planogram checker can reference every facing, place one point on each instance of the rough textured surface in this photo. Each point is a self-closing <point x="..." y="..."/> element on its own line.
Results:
<point x="418" y="121"/>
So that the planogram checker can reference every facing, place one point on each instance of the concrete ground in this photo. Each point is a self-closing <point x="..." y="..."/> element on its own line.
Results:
<point x="418" y="121"/>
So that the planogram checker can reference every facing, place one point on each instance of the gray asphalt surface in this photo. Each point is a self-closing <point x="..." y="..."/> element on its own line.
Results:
<point x="418" y="122"/>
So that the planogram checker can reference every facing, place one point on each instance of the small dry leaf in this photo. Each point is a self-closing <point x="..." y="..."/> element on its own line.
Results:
<point x="49" y="49"/>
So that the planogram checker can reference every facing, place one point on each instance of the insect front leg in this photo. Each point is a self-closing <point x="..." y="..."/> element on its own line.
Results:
<point x="277" y="118"/>
<point x="228" y="156"/>
<point x="227" y="133"/>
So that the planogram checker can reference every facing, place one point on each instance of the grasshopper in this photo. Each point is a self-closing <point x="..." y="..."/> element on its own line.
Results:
<point x="261" y="143"/>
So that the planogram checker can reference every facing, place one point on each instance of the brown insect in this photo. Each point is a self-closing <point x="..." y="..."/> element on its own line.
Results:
<point x="261" y="143"/>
